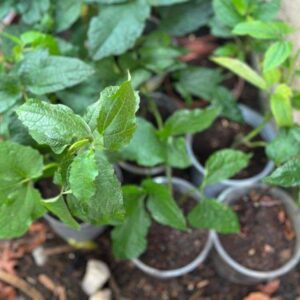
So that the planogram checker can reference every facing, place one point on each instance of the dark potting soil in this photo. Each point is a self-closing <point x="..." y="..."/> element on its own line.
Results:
<point x="129" y="283"/>
<point x="222" y="134"/>
<point x="169" y="248"/>
<point x="267" y="238"/>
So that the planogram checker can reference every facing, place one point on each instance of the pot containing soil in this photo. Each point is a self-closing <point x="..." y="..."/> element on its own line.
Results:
<point x="222" y="134"/>
<point x="166" y="107"/>
<point x="172" y="253"/>
<point x="268" y="245"/>
<point x="86" y="232"/>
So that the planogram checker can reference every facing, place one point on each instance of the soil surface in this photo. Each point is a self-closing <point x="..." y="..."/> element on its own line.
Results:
<point x="222" y="134"/>
<point x="128" y="283"/>
<point x="267" y="238"/>
<point x="169" y="248"/>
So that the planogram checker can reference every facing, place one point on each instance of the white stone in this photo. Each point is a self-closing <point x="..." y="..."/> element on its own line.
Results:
<point x="96" y="275"/>
<point x="39" y="257"/>
<point x="102" y="295"/>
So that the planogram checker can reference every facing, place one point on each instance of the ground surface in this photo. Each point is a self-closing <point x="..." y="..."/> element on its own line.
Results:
<point x="63" y="273"/>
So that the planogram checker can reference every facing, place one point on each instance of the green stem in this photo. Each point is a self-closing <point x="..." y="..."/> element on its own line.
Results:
<point x="74" y="147"/>
<point x="169" y="177"/>
<point x="252" y="134"/>
<point x="50" y="166"/>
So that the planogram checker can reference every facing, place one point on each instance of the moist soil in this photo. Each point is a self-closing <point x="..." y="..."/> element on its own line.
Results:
<point x="267" y="238"/>
<point x="169" y="248"/>
<point x="222" y="134"/>
<point x="129" y="283"/>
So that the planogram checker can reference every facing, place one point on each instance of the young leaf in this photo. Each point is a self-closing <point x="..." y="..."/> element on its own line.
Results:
<point x="184" y="18"/>
<point x="267" y="10"/>
<point x="116" y="119"/>
<point x="224" y="98"/>
<point x="284" y="146"/>
<point x="83" y="172"/>
<point x="226" y="11"/>
<point x="162" y="206"/>
<point x="177" y="155"/>
<point x="211" y="214"/>
<point x="66" y="13"/>
<point x="32" y="10"/>
<point x="277" y="55"/>
<point x="164" y="2"/>
<point x="263" y="30"/>
<point x="53" y="125"/>
<point x="199" y="82"/>
<point x="241" y="6"/>
<point x="58" y="207"/>
<point x="10" y="91"/>
<point x="287" y="175"/>
<point x="189" y="121"/>
<point x="129" y="239"/>
<point x="43" y="74"/>
<point x="241" y="69"/>
<point x="145" y="148"/>
<point x="116" y="28"/>
<point x="224" y="164"/>
<point x="106" y="205"/>
<point x="19" y="210"/>
<point x="281" y="105"/>
<point x="18" y="163"/>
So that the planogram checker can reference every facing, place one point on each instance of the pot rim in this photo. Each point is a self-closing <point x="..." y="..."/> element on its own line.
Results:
<point x="49" y="218"/>
<point x="262" y="275"/>
<point x="236" y="182"/>
<point x="163" y="274"/>
<point x="139" y="170"/>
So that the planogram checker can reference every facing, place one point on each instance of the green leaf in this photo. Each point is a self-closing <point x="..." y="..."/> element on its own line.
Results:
<point x="162" y="206"/>
<point x="32" y="11"/>
<point x="224" y="164"/>
<point x="211" y="214"/>
<point x="58" y="207"/>
<point x="66" y="13"/>
<point x="36" y="39"/>
<point x="52" y="124"/>
<point x="145" y="148"/>
<point x="186" y="121"/>
<point x="226" y="11"/>
<point x="10" y="91"/>
<point x="106" y="206"/>
<point x="281" y="105"/>
<point x="18" y="163"/>
<point x="116" y="28"/>
<point x="184" y="18"/>
<point x="44" y="74"/>
<point x="83" y="172"/>
<point x="277" y="55"/>
<point x="224" y="98"/>
<point x="284" y="146"/>
<point x="116" y="120"/>
<point x="241" y="6"/>
<point x="129" y="239"/>
<point x="242" y="69"/>
<point x="267" y="10"/>
<point x="164" y="2"/>
<point x="263" y="30"/>
<point x="177" y="155"/>
<point x="18" y="211"/>
<point x="287" y="175"/>
<point x="199" y="82"/>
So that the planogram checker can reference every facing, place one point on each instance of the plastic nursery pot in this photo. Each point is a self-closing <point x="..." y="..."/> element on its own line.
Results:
<point x="86" y="232"/>
<point x="169" y="106"/>
<point x="184" y="187"/>
<point x="229" y="268"/>
<point x="253" y="119"/>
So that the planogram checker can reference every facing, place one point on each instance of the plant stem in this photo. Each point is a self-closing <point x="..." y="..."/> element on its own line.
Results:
<point x="153" y="108"/>
<point x="78" y="144"/>
<point x="252" y="134"/>
<point x="169" y="177"/>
